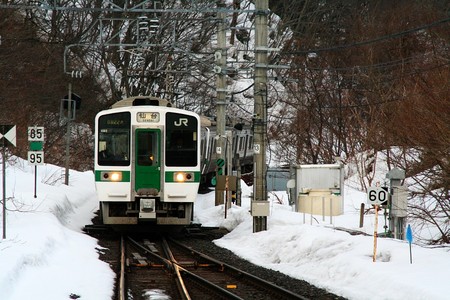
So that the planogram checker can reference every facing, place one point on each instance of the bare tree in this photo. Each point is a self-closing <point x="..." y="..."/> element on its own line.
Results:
<point x="374" y="77"/>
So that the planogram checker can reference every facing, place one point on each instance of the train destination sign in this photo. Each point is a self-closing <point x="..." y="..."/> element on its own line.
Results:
<point x="147" y="117"/>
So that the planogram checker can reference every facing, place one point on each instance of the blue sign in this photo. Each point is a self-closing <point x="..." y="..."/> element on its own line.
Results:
<point x="409" y="236"/>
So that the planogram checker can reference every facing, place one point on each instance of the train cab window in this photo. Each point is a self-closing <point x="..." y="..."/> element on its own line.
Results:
<point x="181" y="140"/>
<point x="114" y="139"/>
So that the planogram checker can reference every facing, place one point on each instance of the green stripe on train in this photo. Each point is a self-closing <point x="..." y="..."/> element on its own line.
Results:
<point x="170" y="176"/>
<point x="125" y="175"/>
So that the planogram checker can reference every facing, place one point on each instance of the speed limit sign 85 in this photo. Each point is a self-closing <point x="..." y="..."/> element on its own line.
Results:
<point x="36" y="133"/>
<point x="377" y="195"/>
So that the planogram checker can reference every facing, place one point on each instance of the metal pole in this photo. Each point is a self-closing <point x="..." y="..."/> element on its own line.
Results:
<point x="260" y="110"/>
<point x="226" y="195"/>
<point x="323" y="208"/>
<point x="69" y="117"/>
<point x="331" y="211"/>
<point x="35" y="181"/>
<point x="229" y="151"/>
<point x="238" y="183"/>
<point x="4" y="189"/>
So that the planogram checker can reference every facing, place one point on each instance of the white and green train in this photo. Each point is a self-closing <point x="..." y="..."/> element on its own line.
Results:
<point x="150" y="159"/>
<point x="147" y="162"/>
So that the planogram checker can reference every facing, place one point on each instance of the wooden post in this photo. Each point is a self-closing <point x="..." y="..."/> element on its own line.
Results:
<point x="375" y="234"/>
<point x="361" y="215"/>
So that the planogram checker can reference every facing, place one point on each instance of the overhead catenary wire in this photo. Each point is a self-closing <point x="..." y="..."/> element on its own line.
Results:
<point x="372" y="41"/>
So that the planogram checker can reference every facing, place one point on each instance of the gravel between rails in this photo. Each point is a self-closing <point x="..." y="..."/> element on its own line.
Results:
<point x="205" y="245"/>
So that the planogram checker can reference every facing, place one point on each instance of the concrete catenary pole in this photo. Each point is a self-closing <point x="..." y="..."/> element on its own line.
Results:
<point x="260" y="112"/>
<point x="221" y="85"/>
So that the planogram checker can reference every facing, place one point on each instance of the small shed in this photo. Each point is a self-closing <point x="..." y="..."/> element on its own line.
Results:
<point x="319" y="189"/>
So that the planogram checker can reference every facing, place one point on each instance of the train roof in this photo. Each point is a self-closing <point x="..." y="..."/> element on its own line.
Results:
<point x="142" y="100"/>
<point x="154" y="101"/>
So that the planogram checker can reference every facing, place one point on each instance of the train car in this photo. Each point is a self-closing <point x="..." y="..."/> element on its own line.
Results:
<point x="147" y="162"/>
<point x="239" y="140"/>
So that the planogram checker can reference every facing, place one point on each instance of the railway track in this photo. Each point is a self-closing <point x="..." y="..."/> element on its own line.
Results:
<point x="167" y="268"/>
<point x="151" y="277"/>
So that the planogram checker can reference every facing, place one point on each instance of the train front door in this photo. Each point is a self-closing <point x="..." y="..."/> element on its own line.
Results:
<point x="148" y="160"/>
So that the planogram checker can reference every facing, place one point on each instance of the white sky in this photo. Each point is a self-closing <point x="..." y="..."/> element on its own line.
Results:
<point x="46" y="256"/>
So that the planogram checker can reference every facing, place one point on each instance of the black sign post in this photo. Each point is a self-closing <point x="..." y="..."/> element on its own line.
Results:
<point x="36" y="153"/>
<point x="7" y="136"/>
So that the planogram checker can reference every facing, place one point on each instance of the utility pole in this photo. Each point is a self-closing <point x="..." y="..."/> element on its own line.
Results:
<point x="260" y="205"/>
<point x="221" y="91"/>
<point x="68" y="132"/>
<point x="4" y="187"/>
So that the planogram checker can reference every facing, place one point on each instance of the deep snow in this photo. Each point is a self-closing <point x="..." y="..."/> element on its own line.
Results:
<point x="47" y="256"/>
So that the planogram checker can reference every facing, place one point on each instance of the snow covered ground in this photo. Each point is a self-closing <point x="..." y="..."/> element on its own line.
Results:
<point x="45" y="255"/>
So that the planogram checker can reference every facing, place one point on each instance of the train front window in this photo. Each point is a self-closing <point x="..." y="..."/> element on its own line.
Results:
<point x="147" y="148"/>
<point x="114" y="139"/>
<point x="181" y="140"/>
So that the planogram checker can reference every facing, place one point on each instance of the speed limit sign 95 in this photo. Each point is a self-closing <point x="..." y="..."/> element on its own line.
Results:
<point x="377" y="195"/>
<point x="36" y="157"/>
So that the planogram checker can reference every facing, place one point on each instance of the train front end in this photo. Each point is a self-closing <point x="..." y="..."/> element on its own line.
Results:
<point x="147" y="165"/>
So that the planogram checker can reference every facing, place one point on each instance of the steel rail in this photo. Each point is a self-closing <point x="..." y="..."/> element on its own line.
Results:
<point x="180" y="272"/>
<point x="122" y="270"/>
<point x="288" y="294"/>
<point x="180" y="282"/>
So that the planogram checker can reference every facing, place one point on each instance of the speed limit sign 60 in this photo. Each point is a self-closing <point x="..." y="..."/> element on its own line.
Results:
<point x="377" y="195"/>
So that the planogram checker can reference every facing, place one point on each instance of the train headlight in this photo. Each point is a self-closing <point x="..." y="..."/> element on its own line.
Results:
<point x="183" y="176"/>
<point x="111" y="176"/>
<point x="179" y="177"/>
<point x="116" y="176"/>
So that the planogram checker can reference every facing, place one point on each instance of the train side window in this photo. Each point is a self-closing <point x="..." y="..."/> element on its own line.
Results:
<point x="235" y="140"/>
<point x="241" y="143"/>
<point x="114" y="139"/>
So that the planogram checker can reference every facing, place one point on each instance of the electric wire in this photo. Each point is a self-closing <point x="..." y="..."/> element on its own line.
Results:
<point x="367" y="42"/>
